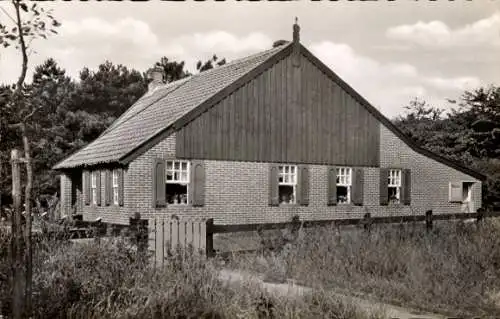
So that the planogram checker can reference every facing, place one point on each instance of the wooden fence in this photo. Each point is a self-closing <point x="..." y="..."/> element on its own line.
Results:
<point x="165" y="234"/>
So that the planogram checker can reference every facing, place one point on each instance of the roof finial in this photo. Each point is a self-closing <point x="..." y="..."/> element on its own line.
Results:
<point x="296" y="31"/>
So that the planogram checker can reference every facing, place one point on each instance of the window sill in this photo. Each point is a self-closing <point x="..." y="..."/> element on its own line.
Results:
<point x="288" y="205"/>
<point x="398" y="205"/>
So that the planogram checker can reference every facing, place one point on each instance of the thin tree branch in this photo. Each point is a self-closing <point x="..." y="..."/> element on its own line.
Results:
<point x="24" y="69"/>
<point x="27" y="117"/>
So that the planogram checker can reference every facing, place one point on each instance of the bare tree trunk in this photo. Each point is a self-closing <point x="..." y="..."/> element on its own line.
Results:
<point x="27" y="232"/>
<point x="17" y="246"/>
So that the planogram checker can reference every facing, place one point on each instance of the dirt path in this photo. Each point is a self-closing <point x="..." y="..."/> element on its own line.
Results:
<point x="391" y="311"/>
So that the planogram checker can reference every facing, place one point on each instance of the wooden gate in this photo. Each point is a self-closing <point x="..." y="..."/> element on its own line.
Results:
<point x="167" y="234"/>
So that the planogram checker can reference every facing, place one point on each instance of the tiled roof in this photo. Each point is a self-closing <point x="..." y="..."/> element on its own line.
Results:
<point x="160" y="108"/>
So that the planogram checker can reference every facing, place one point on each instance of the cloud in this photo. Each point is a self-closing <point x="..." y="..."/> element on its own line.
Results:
<point x="134" y="43"/>
<point x="389" y="86"/>
<point x="484" y="32"/>
<point x="131" y="42"/>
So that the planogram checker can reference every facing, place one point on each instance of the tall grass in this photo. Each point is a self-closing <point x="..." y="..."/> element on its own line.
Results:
<point x="454" y="269"/>
<point x="109" y="280"/>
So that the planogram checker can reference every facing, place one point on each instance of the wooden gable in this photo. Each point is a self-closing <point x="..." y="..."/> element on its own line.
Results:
<point x="291" y="113"/>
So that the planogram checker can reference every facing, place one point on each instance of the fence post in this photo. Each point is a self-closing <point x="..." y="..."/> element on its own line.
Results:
<point x="17" y="247"/>
<point x="210" y="238"/>
<point x="428" y="220"/>
<point x="480" y="214"/>
<point x="367" y="222"/>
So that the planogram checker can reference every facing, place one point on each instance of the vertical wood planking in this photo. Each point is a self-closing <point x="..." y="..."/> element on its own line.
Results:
<point x="290" y="110"/>
<point x="244" y="127"/>
<point x="196" y="235"/>
<point x="307" y="102"/>
<point x="189" y="233"/>
<point x="182" y="233"/>
<point x="175" y="234"/>
<point x="335" y="121"/>
<point x="273" y="108"/>
<point x="278" y="119"/>
<point x="286" y="114"/>
<point x="159" y="242"/>
<point x="259" y="124"/>
<point x="167" y="237"/>
<point x="226" y="137"/>
<point x="229" y="108"/>
<point x="203" y="235"/>
<point x="267" y="138"/>
<point x="151" y="234"/>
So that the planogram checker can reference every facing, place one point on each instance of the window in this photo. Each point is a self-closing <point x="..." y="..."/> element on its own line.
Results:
<point x="94" y="187"/>
<point x="344" y="183"/>
<point x="115" y="187"/>
<point x="287" y="184"/>
<point x="394" y="185"/>
<point x="177" y="182"/>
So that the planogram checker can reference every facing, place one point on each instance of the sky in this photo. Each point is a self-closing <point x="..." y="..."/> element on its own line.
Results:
<point x="389" y="52"/>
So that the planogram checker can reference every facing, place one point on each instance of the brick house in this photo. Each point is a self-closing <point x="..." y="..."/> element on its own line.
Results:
<point x="260" y="139"/>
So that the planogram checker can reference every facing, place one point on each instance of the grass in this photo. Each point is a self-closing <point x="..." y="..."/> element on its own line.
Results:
<point x="455" y="269"/>
<point x="110" y="280"/>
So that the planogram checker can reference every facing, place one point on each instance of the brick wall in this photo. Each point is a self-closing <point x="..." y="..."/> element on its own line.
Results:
<point x="237" y="192"/>
<point x="430" y="179"/>
<point x="113" y="214"/>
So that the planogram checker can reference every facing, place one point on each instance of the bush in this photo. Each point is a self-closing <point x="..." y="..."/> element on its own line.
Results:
<point x="453" y="269"/>
<point x="109" y="280"/>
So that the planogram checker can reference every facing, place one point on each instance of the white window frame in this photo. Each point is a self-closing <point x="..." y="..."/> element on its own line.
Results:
<point x="344" y="179"/>
<point x="93" y="187"/>
<point x="287" y="176"/>
<point x="181" y="179"/>
<point x="394" y="181"/>
<point x="115" y="187"/>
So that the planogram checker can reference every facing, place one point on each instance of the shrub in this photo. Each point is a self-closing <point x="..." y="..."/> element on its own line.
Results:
<point x="108" y="279"/>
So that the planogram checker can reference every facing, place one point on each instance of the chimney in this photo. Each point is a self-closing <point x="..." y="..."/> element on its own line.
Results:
<point x="155" y="74"/>
<point x="296" y="43"/>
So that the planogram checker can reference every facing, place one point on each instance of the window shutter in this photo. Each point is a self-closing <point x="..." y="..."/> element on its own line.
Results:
<point x="456" y="191"/>
<point x="332" y="185"/>
<point x="357" y="186"/>
<point x="159" y="187"/>
<point x="303" y="185"/>
<point x="197" y="183"/>
<point x="86" y="188"/>
<point x="98" y="188"/>
<point x="107" y="187"/>
<point x="273" y="185"/>
<point x="384" y="191"/>
<point x="406" y="186"/>
<point x="120" y="186"/>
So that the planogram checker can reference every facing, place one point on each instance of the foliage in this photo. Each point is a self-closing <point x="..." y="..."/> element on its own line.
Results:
<point x="209" y="64"/>
<point x="110" y="90"/>
<point x="107" y="280"/>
